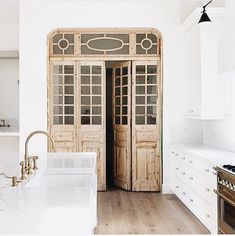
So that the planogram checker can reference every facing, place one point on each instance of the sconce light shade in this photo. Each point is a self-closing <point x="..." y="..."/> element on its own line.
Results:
<point x="204" y="18"/>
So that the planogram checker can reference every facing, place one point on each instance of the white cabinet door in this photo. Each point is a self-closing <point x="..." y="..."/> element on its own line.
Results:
<point x="206" y="89"/>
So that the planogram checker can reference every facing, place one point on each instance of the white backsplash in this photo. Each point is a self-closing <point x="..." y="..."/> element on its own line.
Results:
<point x="221" y="133"/>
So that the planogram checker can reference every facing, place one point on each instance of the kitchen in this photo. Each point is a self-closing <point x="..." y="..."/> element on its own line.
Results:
<point x="194" y="119"/>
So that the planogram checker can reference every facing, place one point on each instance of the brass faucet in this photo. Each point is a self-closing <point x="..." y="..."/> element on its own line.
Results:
<point x="13" y="179"/>
<point x="26" y="165"/>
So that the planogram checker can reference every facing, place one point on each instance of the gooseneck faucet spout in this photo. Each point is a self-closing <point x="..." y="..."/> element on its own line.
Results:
<point x="26" y="164"/>
<point x="31" y="135"/>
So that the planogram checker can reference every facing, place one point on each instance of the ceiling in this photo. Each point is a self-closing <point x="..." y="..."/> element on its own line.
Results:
<point x="9" y="10"/>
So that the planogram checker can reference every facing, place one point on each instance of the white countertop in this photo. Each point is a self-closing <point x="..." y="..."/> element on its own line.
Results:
<point x="61" y="205"/>
<point x="9" y="134"/>
<point x="45" y="209"/>
<point x="212" y="154"/>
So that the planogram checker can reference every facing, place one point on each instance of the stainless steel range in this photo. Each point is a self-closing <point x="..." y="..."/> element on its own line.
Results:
<point x="226" y="199"/>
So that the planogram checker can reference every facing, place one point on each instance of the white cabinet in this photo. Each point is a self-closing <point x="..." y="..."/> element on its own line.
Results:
<point x="205" y="88"/>
<point x="193" y="181"/>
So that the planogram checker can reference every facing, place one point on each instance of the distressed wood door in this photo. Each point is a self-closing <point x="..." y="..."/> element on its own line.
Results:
<point x="146" y="113"/>
<point x="122" y="124"/>
<point x="62" y="107"/>
<point x="91" y="114"/>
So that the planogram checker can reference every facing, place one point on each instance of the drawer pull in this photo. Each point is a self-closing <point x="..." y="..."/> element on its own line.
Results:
<point x="177" y="168"/>
<point x="191" y="178"/>
<point x="183" y="173"/>
<point x="191" y="200"/>
<point x="191" y="162"/>
<point x="207" y="189"/>
<point x="177" y="186"/>
<point x="183" y="158"/>
<point x="176" y="154"/>
<point x="172" y="152"/>
<point x="184" y="193"/>
<point x="207" y="170"/>
<point x="208" y="216"/>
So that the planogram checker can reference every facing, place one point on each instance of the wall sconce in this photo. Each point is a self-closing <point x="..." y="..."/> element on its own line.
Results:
<point x="205" y="17"/>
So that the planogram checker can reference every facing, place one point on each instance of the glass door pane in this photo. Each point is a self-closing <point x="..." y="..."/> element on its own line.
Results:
<point x="63" y="86"/>
<point x="91" y="91"/>
<point x="145" y="92"/>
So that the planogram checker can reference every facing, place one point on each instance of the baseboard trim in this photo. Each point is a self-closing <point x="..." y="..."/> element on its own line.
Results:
<point x="166" y="189"/>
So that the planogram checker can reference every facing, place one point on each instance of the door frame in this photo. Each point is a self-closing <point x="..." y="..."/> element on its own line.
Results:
<point x="131" y="57"/>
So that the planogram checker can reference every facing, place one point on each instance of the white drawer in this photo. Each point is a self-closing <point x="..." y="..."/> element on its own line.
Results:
<point x="176" y="186"/>
<point x="176" y="167"/>
<point x="194" y="162"/>
<point x="201" y="185"/>
<point x="202" y="210"/>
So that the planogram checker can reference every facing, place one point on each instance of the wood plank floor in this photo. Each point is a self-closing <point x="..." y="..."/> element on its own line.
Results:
<point x="122" y="212"/>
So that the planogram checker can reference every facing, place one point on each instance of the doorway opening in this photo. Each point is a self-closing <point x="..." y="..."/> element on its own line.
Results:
<point x="109" y="124"/>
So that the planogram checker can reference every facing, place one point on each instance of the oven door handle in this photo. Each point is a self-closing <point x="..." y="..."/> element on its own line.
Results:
<point x="225" y="198"/>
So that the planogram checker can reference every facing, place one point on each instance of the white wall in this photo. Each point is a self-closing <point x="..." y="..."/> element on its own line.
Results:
<point x="221" y="133"/>
<point x="9" y="40"/>
<point x="9" y="145"/>
<point x="38" y="18"/>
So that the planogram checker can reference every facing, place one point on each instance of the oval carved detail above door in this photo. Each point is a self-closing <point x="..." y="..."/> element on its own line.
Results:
<point x="105" y="43"/>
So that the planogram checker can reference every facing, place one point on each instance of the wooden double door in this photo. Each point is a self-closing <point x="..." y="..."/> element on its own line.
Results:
<point x="77" y="118"/>
<point x="76" y="114"/>
<point x="136" y="125"/>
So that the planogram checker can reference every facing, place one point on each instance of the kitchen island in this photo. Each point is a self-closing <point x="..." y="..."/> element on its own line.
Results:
<point x="56" y="201"/>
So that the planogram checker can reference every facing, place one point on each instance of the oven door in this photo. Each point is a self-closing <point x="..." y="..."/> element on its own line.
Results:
<point x="226" y="214"/>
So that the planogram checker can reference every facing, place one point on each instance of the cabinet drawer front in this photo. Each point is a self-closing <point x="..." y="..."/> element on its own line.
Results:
<point x="200" y="166"/>
<point x="201" y="209"/>
<point x="195" y="162"/>
<point x="201" y="185"/>
<point x="179" y="155"/>
<point x="176" y="168"/>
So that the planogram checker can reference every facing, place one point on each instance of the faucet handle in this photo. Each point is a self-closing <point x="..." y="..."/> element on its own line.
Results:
<point x="23" y="176"/>
<point x="14" y="181"/>
<point x="35" y="158"/>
